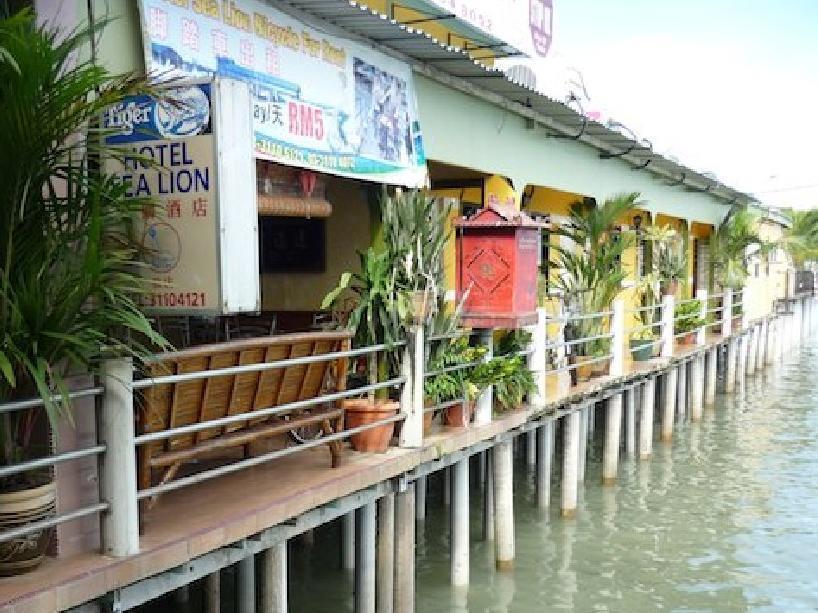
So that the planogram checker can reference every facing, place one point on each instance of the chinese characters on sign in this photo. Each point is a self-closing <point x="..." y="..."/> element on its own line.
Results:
<point x="169" y="158"/>
<point x="319" y="102"/>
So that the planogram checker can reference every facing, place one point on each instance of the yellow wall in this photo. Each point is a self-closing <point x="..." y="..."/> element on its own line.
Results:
<point x="499" y="188"/>
<point x="348" y="230"/>
<point x="764" y="288"/>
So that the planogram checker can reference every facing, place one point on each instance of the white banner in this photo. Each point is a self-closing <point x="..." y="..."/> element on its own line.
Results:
<point x="525" y="25"/>
<point x="319" y="101"/>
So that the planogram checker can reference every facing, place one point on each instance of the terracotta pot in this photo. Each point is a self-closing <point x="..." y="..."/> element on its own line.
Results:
<point x="16" y="510"/>
<point x="688" y="339"/>
<point x="459" y="415"/>
<point x="670" y="288"/>
<point x="428" y="416"/>
<point x="737" y="321"/>
<point x="360" y="412"/>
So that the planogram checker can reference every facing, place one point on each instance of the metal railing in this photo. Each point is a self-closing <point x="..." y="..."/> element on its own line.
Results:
<point x="49" y="462"/>
<point x="268" y="412"/>
<point x="556" y="345"/>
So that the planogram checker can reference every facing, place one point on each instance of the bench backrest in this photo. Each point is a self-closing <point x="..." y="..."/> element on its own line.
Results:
<point x="190" y="402"/>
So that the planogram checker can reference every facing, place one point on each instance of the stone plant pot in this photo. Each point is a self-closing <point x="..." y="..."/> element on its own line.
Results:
<point x="428" y="416"/>
<point x="360" y="412"/>
<point x="641" y="350"/>
<point x="17" y="509"/>
<point x="459" y="415"/>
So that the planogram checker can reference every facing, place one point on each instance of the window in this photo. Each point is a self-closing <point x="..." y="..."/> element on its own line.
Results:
<point x="292" y="244"/>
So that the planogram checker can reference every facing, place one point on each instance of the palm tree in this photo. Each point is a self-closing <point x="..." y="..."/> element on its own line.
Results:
<point x="591" y="272"/>
<point x="800" y="239"/>
<point x="732" y="245"/>
<point x="69" y="285"/>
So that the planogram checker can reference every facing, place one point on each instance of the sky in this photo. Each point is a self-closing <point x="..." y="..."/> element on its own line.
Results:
<point x="725" y="86"/>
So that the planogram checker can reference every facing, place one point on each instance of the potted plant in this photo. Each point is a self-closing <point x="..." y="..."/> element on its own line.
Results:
<point x="398" y="284"/>
<point x="591" y="272"/>
<point x="669" y="257"/>
<point x="687" y="320"/>
<point x="69" y="289"/>
<point x="732" y="245"/>
<point x="456" y="384"/>
<point x="511" y="377"/>
<point x="642" y="342"/>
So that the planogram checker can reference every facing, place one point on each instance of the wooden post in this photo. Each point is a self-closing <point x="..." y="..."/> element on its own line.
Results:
<point x="120" y="524"/>
<point x="274" y="580"/>
<point x="503" y="462"/>
<point x="731" y="366"/>
<point x="667" y="326"/>
<point x="537" y="357"/>
<point x="618" y="338"/>
<point x="213" y="592"/>
<point x="484" y="406"/>
<point x="413" y="367"/>
<point x="727" y="313"/>
<point x="385" y="583"/>
<point x="488" y="499"/>
<point x="405" y="550"/>
<point x="630" y="421"/>
<point x="681" y="390"/>
<point x="545" y="447"/>
<point x="613" y="424"/>
<point x="669" y="403"/>
<point x="365" y="537"/>
<point x="246" y="585"/>
<point x="646" y="422"/>
<point x="348" y="541"/>
<point x="570" y="463"/>
<point x="711" y="367"/>
<point x="420" y="498"/>
<point x="697" y="387"/>
<point x="460" y="523"/>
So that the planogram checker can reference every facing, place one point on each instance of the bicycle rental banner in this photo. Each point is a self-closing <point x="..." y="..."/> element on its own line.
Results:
<point x="318" y="101"/>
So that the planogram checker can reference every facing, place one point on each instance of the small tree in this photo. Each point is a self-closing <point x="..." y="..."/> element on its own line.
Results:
<point x="69" y="285"/>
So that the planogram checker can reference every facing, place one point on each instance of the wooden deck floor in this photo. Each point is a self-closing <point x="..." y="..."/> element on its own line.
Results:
<point x="194" y="520"/>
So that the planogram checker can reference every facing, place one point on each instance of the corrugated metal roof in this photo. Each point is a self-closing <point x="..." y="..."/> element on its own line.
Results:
<point x="440" y="57"/>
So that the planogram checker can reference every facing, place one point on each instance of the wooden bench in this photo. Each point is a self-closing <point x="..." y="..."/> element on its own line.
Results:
<point x="171" y="405"/>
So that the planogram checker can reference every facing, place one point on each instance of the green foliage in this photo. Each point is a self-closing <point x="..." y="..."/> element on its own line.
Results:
<point x="415" y="229"/>
<point x="687" y="317"/>
<point x="647" y="297"/>
<point x="458" y="383"/>
<point x="800" y="240"/>
<point x="733" y="243"/>
<point x="69" y="288"/>
<point x="669" y="253"/>
<point x="512" y="379"/>
<point x="592" y="273"/>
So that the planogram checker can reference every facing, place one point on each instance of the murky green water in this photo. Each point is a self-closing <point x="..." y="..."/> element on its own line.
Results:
<point x="724" y="520"/>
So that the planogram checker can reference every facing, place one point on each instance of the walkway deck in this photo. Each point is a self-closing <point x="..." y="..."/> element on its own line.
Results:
<point x="192" y="521"/>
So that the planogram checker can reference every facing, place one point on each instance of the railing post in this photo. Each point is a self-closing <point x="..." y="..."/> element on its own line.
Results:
<point x="537" y="357"/>
<point x="745" y="303"/>
<point x="667" y="326"/>
<point x="414" y="368"/>
<point x="120" y="524"/>
<point x="701" y="335"/>
<point x="483" y="409"/>
<point x="618" y="338"/>
<point x="727" y="312"/>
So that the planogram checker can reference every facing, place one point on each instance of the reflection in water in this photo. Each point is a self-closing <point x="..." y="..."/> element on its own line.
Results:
<point x="724" y="519"/>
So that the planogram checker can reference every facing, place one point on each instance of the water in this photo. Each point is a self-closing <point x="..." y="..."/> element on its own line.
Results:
<point x="725" y="519"/>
